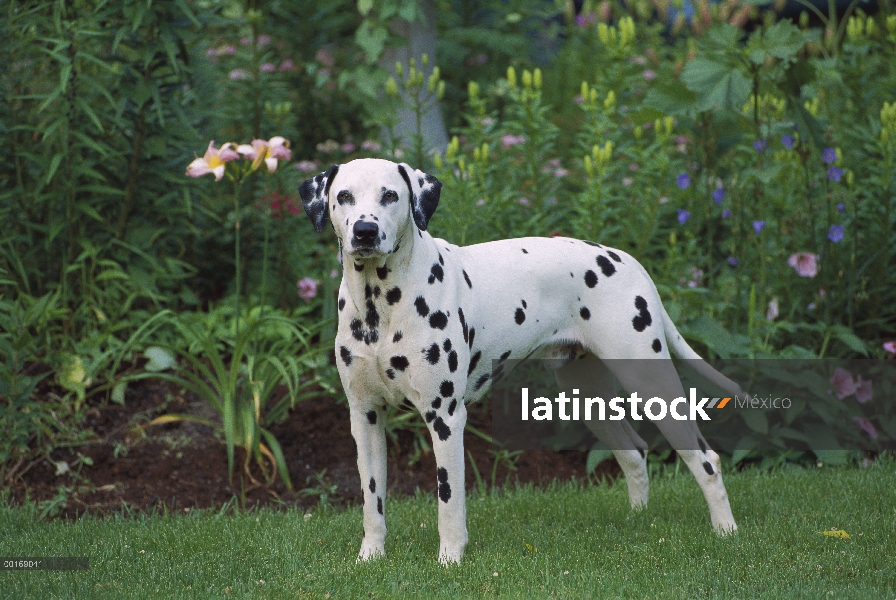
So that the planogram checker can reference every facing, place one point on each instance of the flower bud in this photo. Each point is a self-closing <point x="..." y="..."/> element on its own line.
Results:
<point x="473" y="90"/>
<point x="669" y="121"/>
<point x="871" y="28"/>
<point x="440" y="90"/>
<point x="527" y="79"/>
<point x="804" y="20"/>
<point x="610" y="101"/>
<point x="603" y="34"/>
<point x="850" y="177"/>
<point x="639" y="132"/>
<point x="583" y="91"/>
<point x="391" y="87"/>
<point x="536" y="78"/>
<point x="484" y="152"/>
<point x="437" y="160"/>
<point x="433" y="81"/>
<point x="424" y="59"/>
<point x="511" y="77"/>
<point x="399" y="69"/>
<point x="589" y="166"/>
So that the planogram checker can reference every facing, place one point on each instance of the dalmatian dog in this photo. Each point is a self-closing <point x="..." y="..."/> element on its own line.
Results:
<point x="421" y="321"/>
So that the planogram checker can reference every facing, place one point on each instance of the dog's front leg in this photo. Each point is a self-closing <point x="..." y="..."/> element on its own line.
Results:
<point x="447" y="429"/>
<point x="368" y="429"/>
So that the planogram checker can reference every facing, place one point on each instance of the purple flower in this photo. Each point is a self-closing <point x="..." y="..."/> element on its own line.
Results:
<point x="835" y="234"/>
<point x="760" y="145"/>
<point x="683" y="216"/>
<point x="788" y="141"/>
<point x="840" y="207"/>
<point x="307" y="288"/>
<point x="267" y="68"/>
<point x="718" y="195"/>
<point x="684" y="181"/>
<point x="866" y="426"/>
<point x="834" y="174"/>
<point x="726" y="214"/>
<point x="829" y="155"/>
<point x="757" y="226"/>
<point x="732" y="260"/>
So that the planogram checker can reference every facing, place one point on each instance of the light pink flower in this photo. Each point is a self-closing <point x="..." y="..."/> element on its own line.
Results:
<point x="237" y="74"/>
<point x="267" y="68"/>
<point x="287" y="65"/>
<point x="264" y="40"/>
<point x="864" y="390"/>
<point x="866" y="426"/>
<point x="480" y="202"/>
<point x="213" y="161"/>
<point x="348" y="147"/>
<point x="649" y="75"/>
<point x="371" y="146"/>
<point x="633" y="167"/>
<point x="627" y="181"/>
<point x="307" y="288"/>
<point x="639" y="60"/>
<point x="523" y="201"/>
<point x="307" y="165"/>
<point x="772" y="313"/>
<point x="277" y="148"/>
<point x="508" y="140"/>
<point x="843" y="381"/>
<point x="805" y="263"/>
<point x="561" y="172"/>
<point x="890" y="346"/>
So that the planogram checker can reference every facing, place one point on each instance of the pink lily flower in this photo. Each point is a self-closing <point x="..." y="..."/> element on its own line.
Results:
<point x="843" y="381"/>
<point x="863" y="390"/>
<point x="213" y="161"/>
<point x="805" y="263"/>
<point x="277" y="148"/>
<point x="866" y="426"/>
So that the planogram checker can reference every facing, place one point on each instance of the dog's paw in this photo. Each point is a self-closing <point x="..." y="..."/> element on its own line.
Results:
<point x="371" y="550"/>
<point x="724" y="529"/>
<point x="450" y="556"/>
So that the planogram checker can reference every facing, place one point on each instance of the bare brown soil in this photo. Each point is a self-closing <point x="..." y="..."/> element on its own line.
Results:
<point x="181" y="466"/>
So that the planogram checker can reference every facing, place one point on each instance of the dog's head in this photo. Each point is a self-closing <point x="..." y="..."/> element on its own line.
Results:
<point x="371" y="202"/>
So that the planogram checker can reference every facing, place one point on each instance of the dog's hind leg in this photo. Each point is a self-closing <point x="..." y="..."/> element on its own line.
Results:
<point x="657" y="378"/>
<point x="593" y="379"/>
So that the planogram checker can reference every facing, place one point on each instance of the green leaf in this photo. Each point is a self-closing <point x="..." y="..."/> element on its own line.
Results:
<point x="783" y="40"/>
<point x="372" y="39"/>
<point x="707" y="330"/>
<point x="118" y="393"/>
<point x="54" y="164"/>
<point x="851" y="340"/>
<point x="595" y="457"/>
<point x="671" y="98"/>
<point x="160" y="359"/>
<point x="755" y="420"/>
<point x="717" y="84"/>
<point x="364" y="7"/>
<point x="766" y="174"/>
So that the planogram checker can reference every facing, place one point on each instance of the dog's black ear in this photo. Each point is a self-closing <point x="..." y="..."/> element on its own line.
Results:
<point x="424" y="190"/>
<point x="314" y="196"/>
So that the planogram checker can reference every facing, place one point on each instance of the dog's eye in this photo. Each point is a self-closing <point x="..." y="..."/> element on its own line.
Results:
<point x="390" y="196"/>
<point x="345" y="197"/>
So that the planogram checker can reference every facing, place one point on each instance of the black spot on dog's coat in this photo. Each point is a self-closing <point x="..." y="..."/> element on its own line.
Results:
<point x="463" y="323"/>
<point x="452" y="407"/>
<point x="519" y="316"/>
<point x="441" y="428"/>
<point x="525" y="251"/>
<point x="657" y="346"/>
<point x="359" y="267"/>
<point x="614" y="256"/>
<point x="641" y="452"/>
<point x="390" y="373"/>
<point x="505" y="355"/>
<point x="371" y="417"/>
<point x="452" y="361"/>
<point x="372" y="485"/>
<point x="467" y="279"/>
<point x="585" y="313"/>
<point x="399" y="362"/>
<point x="346" y="355"/>
<point x="393" y="296"/>
<point x="444" y="488"/>
<point x="382" y="272"/>
<point x="446" y="388"/>
<point x="472" y="336"/>
<point x="436" y="272"/>
<point x="379" y="505"/>
<point x="441" y="260"/>
<point x="605" y="266"/>
<point x="447" y="345"/>
<point x="474" y="360"/>
<point x="708" y="468"/>
<point x="430" y="416"/>
<point x="702" y="445"/>
<point x="397" y="337"/>
<point x="438" y="320"/>
<point x="422" y="307"/>
<point x="341" y="303"/>
<point x="432" y="354"/>
<point x="437" y="403"/>
<point x="481" y="381"/>
<point x="596" y="245"/>
<point x="590" y="278"/>
<point x="643" y="320"/>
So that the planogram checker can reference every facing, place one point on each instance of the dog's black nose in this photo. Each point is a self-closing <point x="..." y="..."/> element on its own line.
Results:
<point x="366" y="232"/>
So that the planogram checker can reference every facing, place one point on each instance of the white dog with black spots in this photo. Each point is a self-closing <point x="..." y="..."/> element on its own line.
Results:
<point x="421" y="320"/>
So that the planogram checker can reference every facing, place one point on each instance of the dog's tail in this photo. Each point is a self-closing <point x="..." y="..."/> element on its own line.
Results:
<point x="681" y="348"/>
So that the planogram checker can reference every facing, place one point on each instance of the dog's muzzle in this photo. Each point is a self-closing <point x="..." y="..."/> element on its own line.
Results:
<point x="365" y="236"/>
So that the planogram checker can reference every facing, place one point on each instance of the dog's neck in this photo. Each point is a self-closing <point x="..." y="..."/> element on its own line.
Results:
<point x="371" y="283"/>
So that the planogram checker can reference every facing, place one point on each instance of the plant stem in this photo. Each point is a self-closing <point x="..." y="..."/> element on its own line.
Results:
<point x="237" y="263"/>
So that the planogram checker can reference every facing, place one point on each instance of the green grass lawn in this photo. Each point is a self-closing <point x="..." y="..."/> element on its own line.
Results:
<point x="567" y="541"/>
